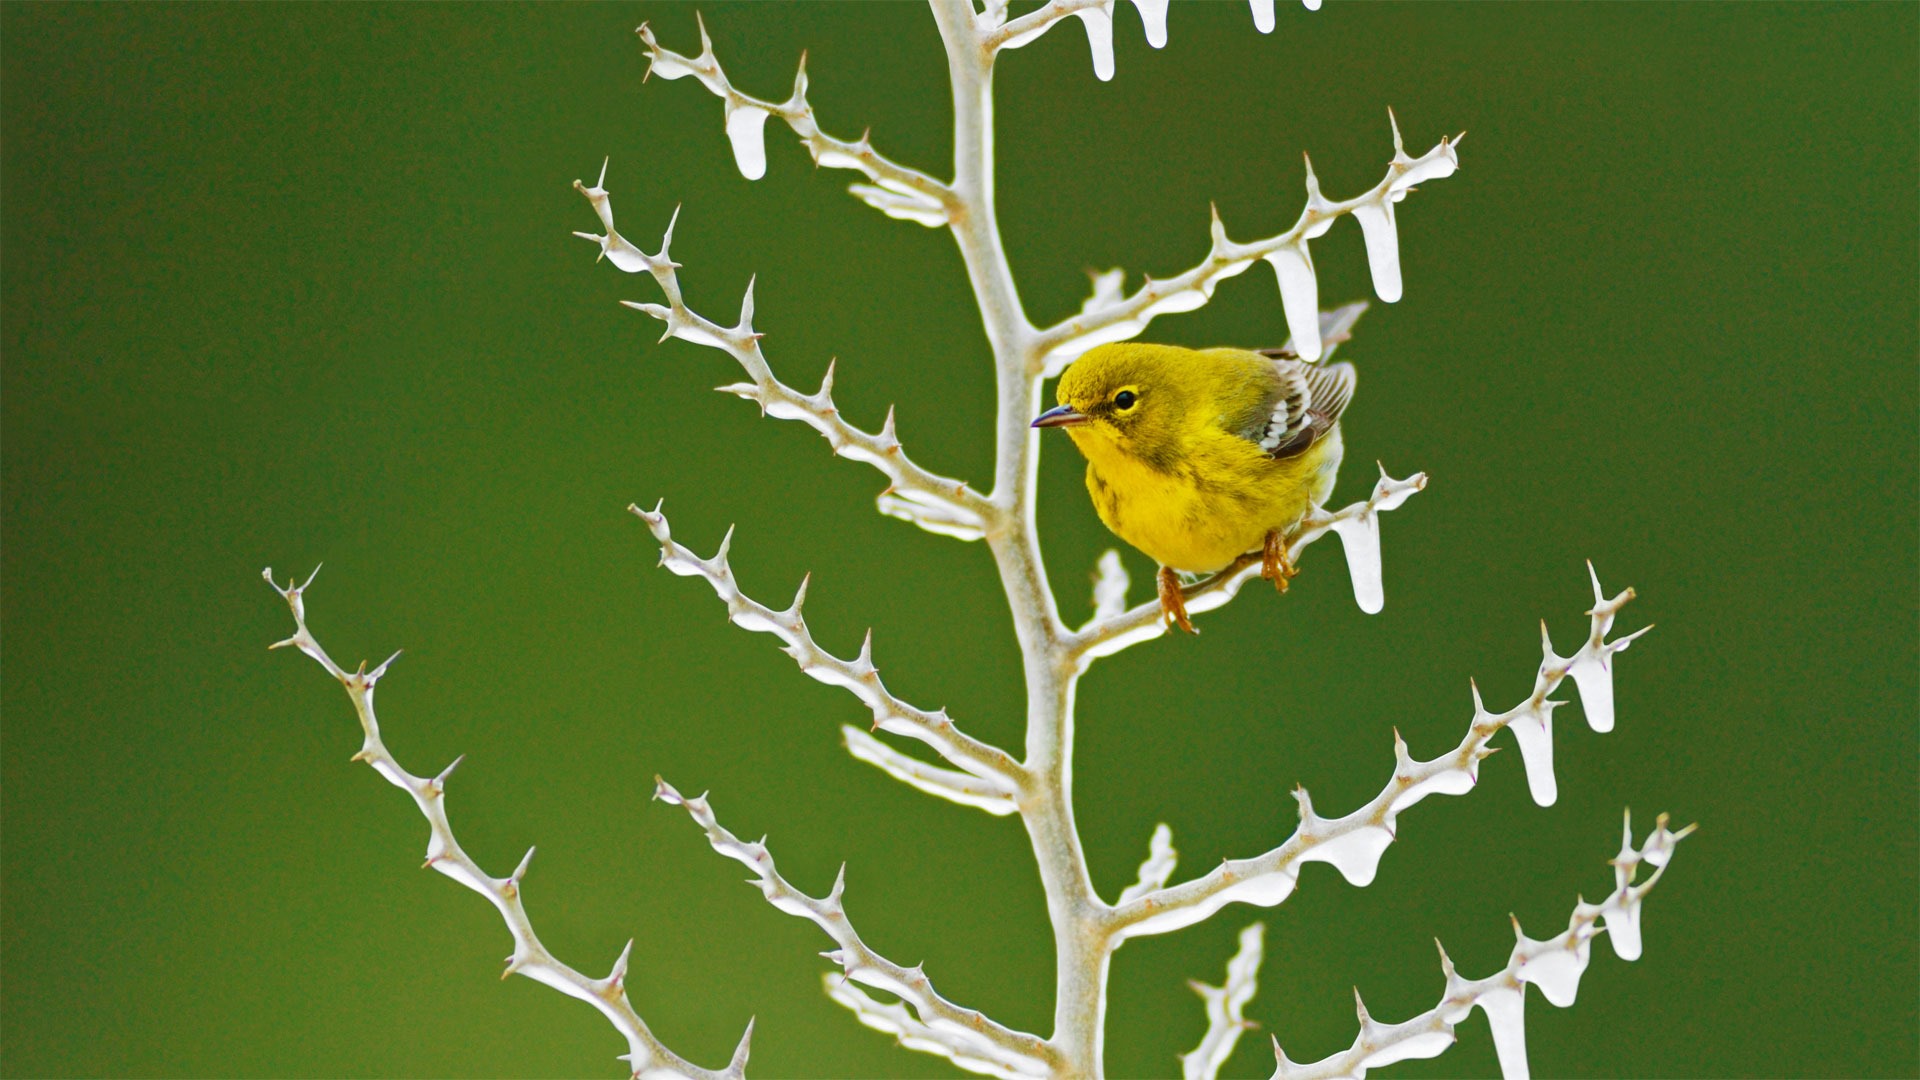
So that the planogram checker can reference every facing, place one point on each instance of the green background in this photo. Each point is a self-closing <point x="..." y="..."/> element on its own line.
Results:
<point x="286" y="284"/>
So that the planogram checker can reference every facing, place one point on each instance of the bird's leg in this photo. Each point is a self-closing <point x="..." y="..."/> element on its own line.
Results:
<point x="1173" y="606"/>
<point x="1274" y="564"/>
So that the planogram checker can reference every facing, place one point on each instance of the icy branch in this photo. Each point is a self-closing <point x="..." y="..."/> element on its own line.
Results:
<point x="646" y="1054"/>
<point x="992" y="795"/>
<point x="857" y="675"/>
<point x="1358" y="526"/>
<point x="1061" y="344"/>
<point x="936" y="503"/>
<point x="1097" y="16"/>
<point x="1554" y="965"/>
<point x="961" y="1032"/>
<point x="1225" y="1008"/>
<point x="1353" y="844"/>
<point x="902" y="193"/>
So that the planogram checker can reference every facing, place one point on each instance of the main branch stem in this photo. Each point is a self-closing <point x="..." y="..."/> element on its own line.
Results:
<point x="1046" y="804"/>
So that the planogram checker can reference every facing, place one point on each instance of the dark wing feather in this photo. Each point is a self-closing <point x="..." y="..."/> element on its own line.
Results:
<point x="1311" y="399"/>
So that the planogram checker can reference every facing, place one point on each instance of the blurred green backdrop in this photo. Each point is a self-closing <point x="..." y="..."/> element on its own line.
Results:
<point x="286" y="284"/>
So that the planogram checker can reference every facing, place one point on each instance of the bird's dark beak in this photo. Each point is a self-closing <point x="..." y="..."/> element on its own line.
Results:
<point x="1060" y="416"/>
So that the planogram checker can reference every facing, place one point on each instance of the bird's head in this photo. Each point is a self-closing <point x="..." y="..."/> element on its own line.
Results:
<point x="1124" y="397"/>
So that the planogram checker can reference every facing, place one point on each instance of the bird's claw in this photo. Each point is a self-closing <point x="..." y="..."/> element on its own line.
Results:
<point x="1173" y="606"/>
<point x="1274" y="564"/>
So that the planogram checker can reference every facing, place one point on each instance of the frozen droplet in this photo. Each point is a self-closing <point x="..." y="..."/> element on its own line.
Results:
<point x="1383" y="247"/>
<point x="1506" y="1010"/>
<point x="1176" y="302"/>
<point x="668" y="65"/>
<point x="1441" y="161"/>
<point x="1099" y="24"/>
<point x="746" y="128"/>
<point x="1312" y="5"/>
<point x="1594" y="676"/>
<point x="1153" y="15"/>
<point x="1355" y="854"/>
<point x="1533" y="729"/>
<point x="1299" y="297"/>
<point x="1360" y="537"/>
<point x="1263" y="15"/>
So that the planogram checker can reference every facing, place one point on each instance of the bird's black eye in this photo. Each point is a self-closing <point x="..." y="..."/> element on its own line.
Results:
<point x="1124" y="399"/>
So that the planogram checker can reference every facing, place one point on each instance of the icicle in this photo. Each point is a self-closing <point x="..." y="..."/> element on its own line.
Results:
<point x="1109" y="586"/>
<point x="1506" y="1011"/>
<point x="1099" y="23"/>
<point x="1299" y="296"/>
<point x="1383" y="247"/>
<point x="1622" y="920"/>
<point x="1533" y="729"/>
<point x="1594" y="676"/>
<point x="1153" y="16"/>
<point x="1360" y="537"/>
<point x="1552" y="967"/>
<point x="1262" y="15"/>
<point x="746" y="128"/>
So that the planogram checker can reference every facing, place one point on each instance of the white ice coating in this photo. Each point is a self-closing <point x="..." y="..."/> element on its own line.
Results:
<point x="1262" y="15"/>
<point x="1099" y="24"/>
<point x="1554" y="965"/>
<point x="1153" y="17"/>
<point x="1383" y="247"/>
<point x="1226" y="1007"/>
<point x="1299" y="296"/>
<point x="1533" y="729"/>
<point x="897" y="200"/>
<point x="746" y="130"/>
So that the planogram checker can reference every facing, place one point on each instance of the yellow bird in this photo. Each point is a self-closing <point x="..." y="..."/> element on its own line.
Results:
<point x="1199" y="456"/>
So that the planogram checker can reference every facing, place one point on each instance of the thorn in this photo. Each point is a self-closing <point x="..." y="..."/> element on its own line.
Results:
<point x="618" y="975"/>
<point x="310" y="577"/>
<point x="1399" y="149"/>
<point x="520" y="872"/>
<point x="1446" y="962"/>
<point x="1480" y="706"/>
<point x="1313" y="185"/>
<point x="1360" y="1008"/>
<point x="440" y="782"/>
<point x="800" y="594"/>
<point x="601" y="183"/>
<point x="737" y="1067"/>
<point x="367" y="755"/>
<point x="1598" y="596"/>
<point x="381" y="671"/>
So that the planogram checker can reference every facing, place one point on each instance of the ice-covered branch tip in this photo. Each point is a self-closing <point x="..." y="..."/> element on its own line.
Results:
<point x="1354" y="843"/>
<point x="646" y="1054"/>
<point x="1226" y="1008"/>
<point x="1121" y="319"/>
<point x="1554" y="965"/>
<point x="902" y="192"/>
<point x="936" y="503"/>
<point x="1097" y="16"/>
<point x="857" y="675"/>
<point x="1358" y="526"/>
<point x="959" y="1032"/>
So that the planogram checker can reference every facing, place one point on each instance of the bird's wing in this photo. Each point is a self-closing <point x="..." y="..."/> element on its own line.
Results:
<point x="1309" y="402"/>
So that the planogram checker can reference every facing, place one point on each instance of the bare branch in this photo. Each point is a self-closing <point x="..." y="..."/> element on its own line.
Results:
<point x="1554" y="965"/>
<point x="902" y="193"/>
<point x="1353" y="844"/>
<point x="1226" y="1005"/>
<point x="857" y="675"/>
<point x="937" y="503"/>
<point x="1059" y="345"/>
<point x="648" y="1056"/>
<point x="994" y="796"/>
<point x="962" y="1031"/>
<point x="1358" y="526"/>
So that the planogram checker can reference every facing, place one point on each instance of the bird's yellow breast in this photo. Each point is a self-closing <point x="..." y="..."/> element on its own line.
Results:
<point x="1215" y="502"/>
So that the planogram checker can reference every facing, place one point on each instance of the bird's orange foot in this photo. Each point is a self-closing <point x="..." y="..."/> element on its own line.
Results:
<point x="1274" y="564"/>
<point x="1173" y="606"/>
